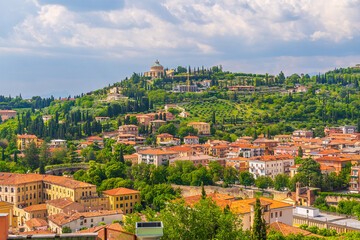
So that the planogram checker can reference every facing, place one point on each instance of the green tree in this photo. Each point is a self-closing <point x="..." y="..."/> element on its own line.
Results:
<point x="259" y="224"/>
<point x="300" y="152"/>
<point x="203" y="193"/>
<point x="246" y="179"/>
<point x="281" y="181"/>
<point x="263" y="182"/>
<point x="32" y="156"/>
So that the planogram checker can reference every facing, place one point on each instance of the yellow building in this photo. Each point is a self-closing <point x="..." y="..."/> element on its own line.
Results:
<point x="9" y="209"/>
<point x="23" y="141"/>
<point x="25" y="190"/>
<point x="123" y="199"/>
<point x="25" y="214"/>
<point x="164" y="138"/>
<point x="202" y="127"/>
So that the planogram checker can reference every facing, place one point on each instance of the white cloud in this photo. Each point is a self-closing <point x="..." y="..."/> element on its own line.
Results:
<point x="198" y="27"/>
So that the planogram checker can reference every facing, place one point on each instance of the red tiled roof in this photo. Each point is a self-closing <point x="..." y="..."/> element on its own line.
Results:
<point x="37" y="207"/>
<point x="36" y="222"/>
<point x="120" y="191"/>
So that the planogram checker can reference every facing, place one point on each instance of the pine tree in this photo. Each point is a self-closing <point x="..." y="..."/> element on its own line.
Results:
<point x="164" y="116"/>
<point x="259" y="224"/>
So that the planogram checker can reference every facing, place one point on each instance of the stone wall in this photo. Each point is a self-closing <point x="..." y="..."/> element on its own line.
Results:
<point x="187" y="191"/>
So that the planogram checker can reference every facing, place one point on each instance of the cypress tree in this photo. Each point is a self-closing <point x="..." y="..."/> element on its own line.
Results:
<point x="213" y="119"/>
<point x="259" y="224"/>
<point x="121" y="157"/>
<point x="203" y="192"/>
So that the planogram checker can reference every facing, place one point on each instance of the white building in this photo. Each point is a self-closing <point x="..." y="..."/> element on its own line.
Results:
<point x="270" y="165"/>
<point x="156" y="156"/>
<point x="76" y="220"/>
<point x="191" y="140"/>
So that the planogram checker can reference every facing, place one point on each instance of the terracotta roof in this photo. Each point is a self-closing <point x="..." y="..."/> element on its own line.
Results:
<point x="237" y="206"/>
<point x="15" y="179"/>
<point x="27" y="136"/>
<point x="283" y="136"/>
<point x="156" y="152"/>
<point x="189" y="137"/>
<point x="36" y="222"/>
<point x="287" y="229"/>
<point x="113" y="226"/>
<point x="239" y="159"/>
<point x="62" y="218"/>
<point x="60" y="202"/>
<point x="334" y="159"/>
<point x="37" y="207"/>
<point x="179" y="149"/>
<point x="120" y="191"/>
<point x="221" y="146"/>
<point x="272" y="158"/>
<point x="165" y="135"/>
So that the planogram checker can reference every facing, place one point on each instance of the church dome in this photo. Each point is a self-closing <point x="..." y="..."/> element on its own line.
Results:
<point x="157" y="66"/>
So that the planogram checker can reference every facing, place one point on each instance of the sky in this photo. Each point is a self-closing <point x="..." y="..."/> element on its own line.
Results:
<point x="68" y="47"/>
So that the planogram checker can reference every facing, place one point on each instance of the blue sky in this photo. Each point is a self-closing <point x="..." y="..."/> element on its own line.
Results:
<point x="74" y="46"/>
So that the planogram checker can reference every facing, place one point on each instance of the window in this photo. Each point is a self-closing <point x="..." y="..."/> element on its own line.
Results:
<point x="34" y="195"/>
<point x="102" y="219"/>
<point x="272" y="215"/>
<point x="12" y="190"/>
<point x="121" y="198"/>
<point x="135" y="196"/>
<point x="126" y="204"/>
<point x="127" y="211"/>
<point x="18" y="189"/>
<point x="6" y="189"/>
<point x="131" y="204"/>
<point x="117" y="205"/>
<point x="130" y="197"/>
<point x="126" y="197"/>
<point x="85" y="221"/>
<point x="30" y="188"/>
<point x="92" y="220"/>
<point x="121" y="205"/>
<point x="280" y="213"/>
<point x="276" y="214"/>
<point x="34" y="187"/>
<point x="117" y="198"/>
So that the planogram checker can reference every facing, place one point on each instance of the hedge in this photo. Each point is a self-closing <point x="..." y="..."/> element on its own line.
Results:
<point x="350" y="195"/>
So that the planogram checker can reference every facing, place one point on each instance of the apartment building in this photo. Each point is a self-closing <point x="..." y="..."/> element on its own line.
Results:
<point x="283" y="138"/>
<point x="202" y="127"/>
<point x="239" y="163"/>
<point x="286" y="150"/>
<point x="220" y="151"/>
<point x="155" y="156"/>
<point x="25" y="214"/>
<point x="191" y="140"/>
<point x="303" y="134"/>
<point x="23" y="141"/>
<point x="25" y="190"/>
<point x="75" y="221"/>
<point x="337" y="162"/>
<point x="7" y="114"/>
<point x="129" y="129"/>
<point x="164" y="138"/>
<point x="268" y="165"/>
<point x="355" y="179"/>
<point x="123" y="199"/>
